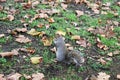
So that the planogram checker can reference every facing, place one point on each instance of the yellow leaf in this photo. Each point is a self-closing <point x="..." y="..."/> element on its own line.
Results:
<point x="61" y="33"/>
<point x="36" y="60"/>
<point x="76" y="37"/>
<point x="47" y="41"/>
<point x="33" y="32"/>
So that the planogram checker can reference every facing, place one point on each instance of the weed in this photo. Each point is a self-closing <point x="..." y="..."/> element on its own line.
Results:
<point x="2" y="40"/>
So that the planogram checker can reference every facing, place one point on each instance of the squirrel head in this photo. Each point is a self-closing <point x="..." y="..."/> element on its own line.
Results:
<point x="58" y="40"/>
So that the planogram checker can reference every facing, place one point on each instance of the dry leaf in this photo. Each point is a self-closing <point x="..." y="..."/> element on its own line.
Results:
<point x="35" y="3"/>
<point x="27" y="5"/>
<point x="110" y="54"/>
<point x="82" y="42"/>
<point x="1" y="7"/>
<point x="22" y="39"/>
<point x="33" y="32"/>
<point x="14" y="76"/>
<point x="36" y="60"/>
<point x="21" y="29"/>
<point x="103" y="76"/>
<point x="38" y="76"/>
<point x="116" y="52"/>
<point x="46" y="41"/>
<point x="60" y="32"/>
<point x="42" y="15"/>
<point x="53" y="49"/>
<point x="2" y="77"/>
<point x="40" y="25"/>
<point x="118" y="76"/>
<point x="2" y="35"/>
<point x="2" y="0"/>
<point x="93" y="77"/>
<point x="51" y="20"/>
<point x="9" y="54"/>
<point x="10" y="17"/>
<point x="102" y="61"/>
<point x="75" y="37"/>
<point x="64" y="6"/>
<point x="79" y="13"/>
<point x="27" y="77"/>
<point x="118" y="3"/>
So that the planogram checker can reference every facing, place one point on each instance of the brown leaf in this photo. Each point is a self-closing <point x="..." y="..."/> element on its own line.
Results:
<point x="27" y="5"/>
<point x="103" y="76"/>
<point x="51" y="20"/>
<point x="118" y="3"/>
<point x="53" y="49"/>
<point x="14" y="76"/>
<point x="102" y="61"/>
<point x="18" y="0"/>
<point x="82" y="42"/>
<point x="2" y="77"/>
<point x="118" y="76"/>
<point x="22" y="39"/>
<point x="79" y="13"/>
<point x="2" y="35"/>
<point x="1" y="7"/>
<point x="9" y="54"/>
<point x="10" y="17"/>
<point x="21" y="29"/>
<point x="2" y="0"/>
<point x="64" y="6"/>
<point x="35" y="3"/>
<point x="38" y="76"/>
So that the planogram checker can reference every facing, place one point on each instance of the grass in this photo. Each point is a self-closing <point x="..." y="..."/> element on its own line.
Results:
<point x="63" y="22"/>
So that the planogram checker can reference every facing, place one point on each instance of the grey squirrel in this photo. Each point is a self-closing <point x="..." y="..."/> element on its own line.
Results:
<point x="62" y="53"/>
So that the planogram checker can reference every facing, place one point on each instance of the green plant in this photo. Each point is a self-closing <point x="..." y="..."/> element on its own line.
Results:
<point x="3" y="40"/>
<point x="3" y="60"/>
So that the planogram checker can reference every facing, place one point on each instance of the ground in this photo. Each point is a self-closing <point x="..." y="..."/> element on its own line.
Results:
<point x="97" y="58"/>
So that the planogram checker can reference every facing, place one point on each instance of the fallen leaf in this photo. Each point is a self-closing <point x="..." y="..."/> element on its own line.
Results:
<point x="36" y="60"/>
<point x="1" y="7"/>
<point x="42" y="15"/>
<point x="27" y="5"/>
<point x="118" y="76"/>
<point x="51" y="20"/>
<point x="2" y="77"/>
<point x="40" y="25"/>
<point x="2" y="0"/>
<point x="110" y="54"/>
<point x="93" y="77"/>
<point x="2" y="35"/>
<point x="102" y="61"/>
<point x="38" y="76"/>
<point x="82" y="42"/>
<point x="21" y="29"/>
<point x="103" y="76"/>
<point x="118" y="3"/>
<point x="60" y="32"/>
<point x="33" y="32"/>
<point x="35" y="3"/>
<point x="27" y="77"/>
<point x="9" y="54"/>
<point x="116" y="52"/>
<point x="64" y="6"/>
<point x="10" y="17"/>
<point x="53" y="49"/>
<point x="46" y="41"/>
<point x="14" y="76"/>
<point x="79" y="13"/>
<point x="18" y="0"/>
<point x="75" y="37"/>
<point x="22" y="39"/>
